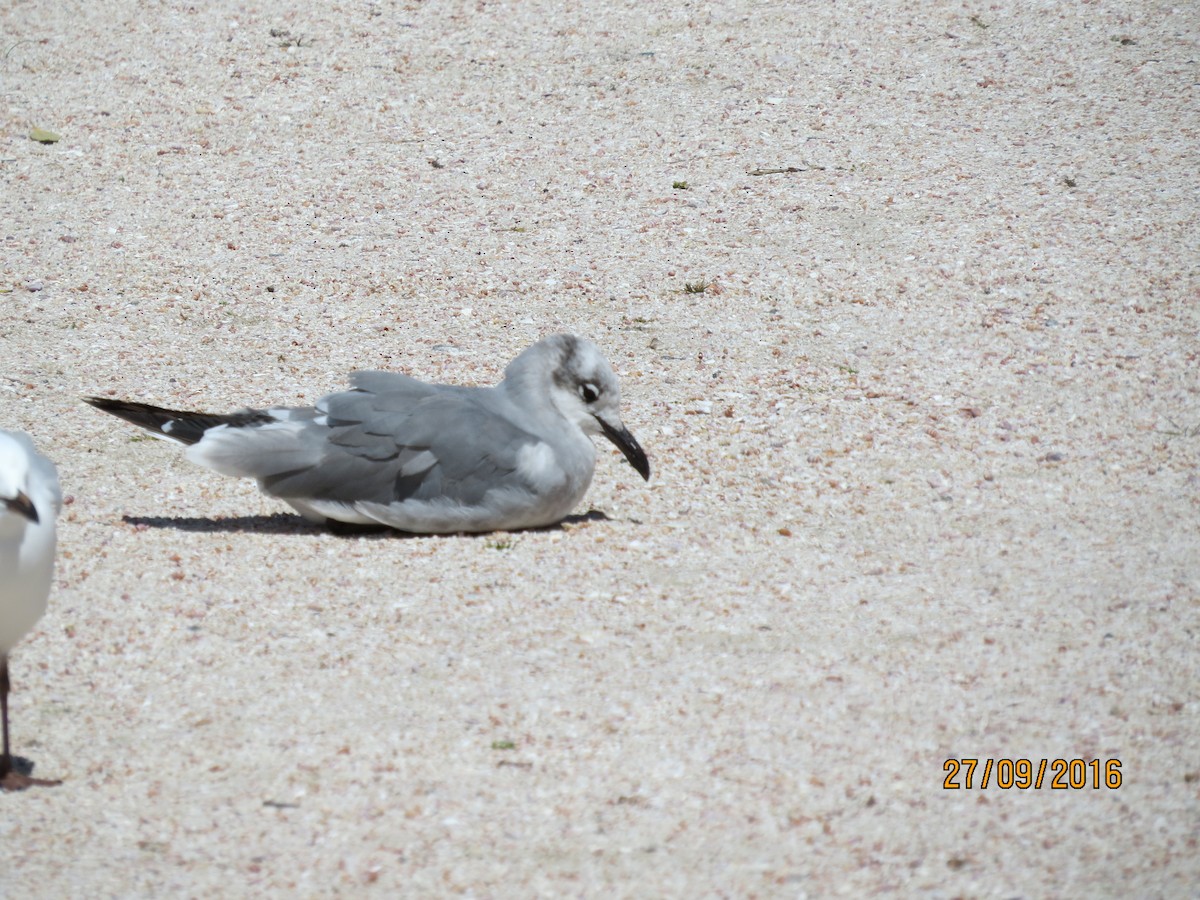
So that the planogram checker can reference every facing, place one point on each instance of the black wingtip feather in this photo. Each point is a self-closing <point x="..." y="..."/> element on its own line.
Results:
<point x="185" y="427"/>
<point x="152" y="418"/>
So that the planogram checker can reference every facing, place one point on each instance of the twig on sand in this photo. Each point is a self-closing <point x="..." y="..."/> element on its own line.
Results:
<point x="785" y="171"/>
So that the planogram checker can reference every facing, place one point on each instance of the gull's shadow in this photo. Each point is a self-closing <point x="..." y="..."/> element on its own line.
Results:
<point x="592" y="515"/>
<point x="290" y="523"/>
<point x="278" y="523"/>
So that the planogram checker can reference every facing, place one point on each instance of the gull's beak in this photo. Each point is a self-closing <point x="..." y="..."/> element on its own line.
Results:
<point x="23" y="506"/>
<point x="628" y="445"/>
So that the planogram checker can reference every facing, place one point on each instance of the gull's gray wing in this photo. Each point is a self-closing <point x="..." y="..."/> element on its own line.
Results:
<point x="392" y="388"/>
<point x="394" y="439"/>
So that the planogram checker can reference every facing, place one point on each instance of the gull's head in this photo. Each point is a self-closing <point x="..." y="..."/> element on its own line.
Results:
<point x="584" y="389"/>
<point x="28" y="481"/>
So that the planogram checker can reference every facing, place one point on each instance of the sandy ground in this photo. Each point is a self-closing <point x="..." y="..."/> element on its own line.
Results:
<point x="925" y="446"/>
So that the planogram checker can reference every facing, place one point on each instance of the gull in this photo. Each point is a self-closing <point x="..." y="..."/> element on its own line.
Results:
<point x="418" y="457"/>
<point x="29" y="504"/>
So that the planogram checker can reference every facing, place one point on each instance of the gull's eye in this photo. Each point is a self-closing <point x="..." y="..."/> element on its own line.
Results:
<point x="589" y="392"/>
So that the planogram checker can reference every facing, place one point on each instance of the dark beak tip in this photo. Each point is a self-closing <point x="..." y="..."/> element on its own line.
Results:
<point x="638" y="461"/>
<point x="22" y="505"/>
<point x="629" y="447"/>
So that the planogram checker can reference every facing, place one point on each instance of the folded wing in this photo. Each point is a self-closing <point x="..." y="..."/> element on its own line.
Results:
<point x="395" y="450"/>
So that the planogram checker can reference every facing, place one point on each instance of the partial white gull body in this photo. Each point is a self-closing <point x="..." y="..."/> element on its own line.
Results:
<point x="30" y="501"/>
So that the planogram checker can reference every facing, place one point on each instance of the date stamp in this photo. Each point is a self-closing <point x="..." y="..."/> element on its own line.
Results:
<point x="1023" y="774"/>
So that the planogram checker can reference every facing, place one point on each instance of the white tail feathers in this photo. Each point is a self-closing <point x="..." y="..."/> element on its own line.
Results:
<point x="258" y="452"/>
